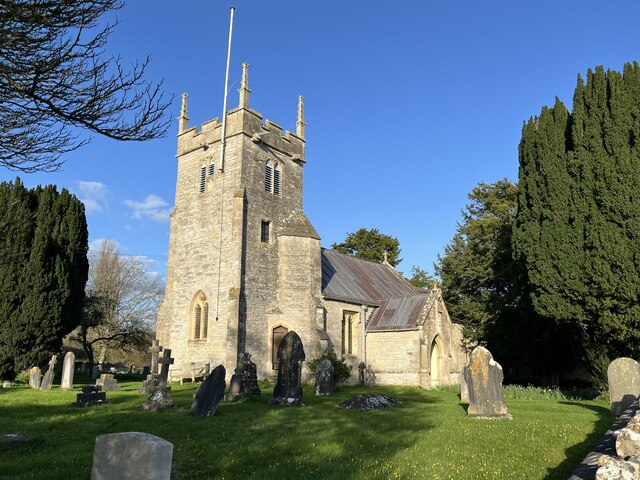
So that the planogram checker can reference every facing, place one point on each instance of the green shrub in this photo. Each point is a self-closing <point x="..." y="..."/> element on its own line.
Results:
<point x="341" y="371"/>
<point x="22" y="378"/>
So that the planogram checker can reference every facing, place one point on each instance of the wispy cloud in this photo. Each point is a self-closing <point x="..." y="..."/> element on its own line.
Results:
<point x="94" y="195"/>
<point x="153" y="207"/>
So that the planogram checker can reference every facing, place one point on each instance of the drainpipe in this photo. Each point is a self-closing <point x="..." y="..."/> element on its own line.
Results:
<point x="363" y="325"/>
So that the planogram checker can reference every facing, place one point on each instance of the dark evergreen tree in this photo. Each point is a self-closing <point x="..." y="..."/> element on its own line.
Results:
<point x="43" y="246"/>
<point x="370" y="245"/>
<point x="476" y="270"/>
<point x="576" y="237"/>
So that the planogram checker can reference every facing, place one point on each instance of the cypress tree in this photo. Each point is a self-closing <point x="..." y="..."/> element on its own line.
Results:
<point x="576" y="235"/>
<point x="44" y="246"/>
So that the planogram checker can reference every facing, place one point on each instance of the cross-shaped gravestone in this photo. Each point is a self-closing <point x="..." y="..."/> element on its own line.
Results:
<point x="166" y="361"/>
<point x="47" y="380"/>
<point x="155" y="350"/>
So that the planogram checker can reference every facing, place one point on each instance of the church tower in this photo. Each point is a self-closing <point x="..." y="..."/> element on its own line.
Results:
<point x="244" y="262"/>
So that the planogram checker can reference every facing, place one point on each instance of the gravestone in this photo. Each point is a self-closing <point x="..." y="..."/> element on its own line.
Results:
<point x="150" y="384"/>
<point x="361" y="368"/>
<point x="35" y="377"/>
<point x="288" y="389"/>
<point x="68" y="371"/>
<point x="161" y="399"/>
<point x="244" y="381"/>
<point x="90" y="396"/>
<point x="164" y="371"/>
<point x="624" y="384"/>
<point x="7" y="384"/>
<point x="108" y="382"/>
<point x="370" y="377"/>
<point x="12" y="440"/>
<point x="209" y="394"/>
<point x="464" y="389"/>
<point x="131" y="456"/>
<point x="47" y="380"/>
<point x="95" y="372"/>
<point x="145" y="371"/>
<point x="324" y="377"/>
<point x="484" y="380"/>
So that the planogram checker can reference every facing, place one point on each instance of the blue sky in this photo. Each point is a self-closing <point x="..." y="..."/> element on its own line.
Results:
<point x="409" y="104"/>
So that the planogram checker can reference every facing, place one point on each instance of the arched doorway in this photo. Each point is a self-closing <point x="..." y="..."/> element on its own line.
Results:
<point x="435" y="364"/>
<point x="277" y="334"/>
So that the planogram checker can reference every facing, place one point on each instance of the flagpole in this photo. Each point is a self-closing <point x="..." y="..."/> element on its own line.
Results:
<point x="224" y="103"/>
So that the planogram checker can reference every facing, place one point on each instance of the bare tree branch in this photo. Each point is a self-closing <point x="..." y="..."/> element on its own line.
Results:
<point x="56" y="80"/>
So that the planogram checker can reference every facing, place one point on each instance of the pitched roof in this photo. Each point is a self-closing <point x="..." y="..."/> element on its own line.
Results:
<point x="355" y="280"/>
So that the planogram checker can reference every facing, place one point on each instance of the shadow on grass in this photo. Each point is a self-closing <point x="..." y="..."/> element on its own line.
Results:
<point x="576" y="453"/>
<point x="248" y="438"/>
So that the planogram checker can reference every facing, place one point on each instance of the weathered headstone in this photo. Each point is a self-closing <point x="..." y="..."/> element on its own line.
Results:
<point x="7" y="384"/>
<point x="484" y="379"/>
<point x="108" y="382"/>
<point x="370" y="401"/>
<point x="145" y="371"/>
<point x="95" y="372"/>
<point x="35" y="377"/>
<point x="150" y="384"/>
<point x="47" y="380"/>
<point x="68" y="371"/>
<point x="90" y="396"/>
<point x="624" y="383"/>
<point x="244" y="380"/>
<point x="324" y="377"/>
<point x="131" y="456"/>
<point x="464" y="389"/>
<point x="155" y="350"/>
<point x="370" y="377"/>
<point x="12" y="440"/>
<point x="288" y="389"/>
<point x="209" y="394"/>
<point x="160" y="399"/>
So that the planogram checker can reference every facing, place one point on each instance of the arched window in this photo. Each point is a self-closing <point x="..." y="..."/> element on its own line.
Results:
<point x="212" y="168"/>
<point x="277" y="180"/>
<point x="268" y="176"/>
<point x="203" y="176"/>
<point x="199" y="317"/>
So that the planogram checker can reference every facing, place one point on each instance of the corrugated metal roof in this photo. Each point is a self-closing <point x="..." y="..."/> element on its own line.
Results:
<point x="399" y="313"/>
<point x="353" y="280"/>
<point x="360" y="281"/>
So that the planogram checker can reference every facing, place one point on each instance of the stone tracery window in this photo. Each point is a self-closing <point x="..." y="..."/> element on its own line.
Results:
<point x="199" y="317"/>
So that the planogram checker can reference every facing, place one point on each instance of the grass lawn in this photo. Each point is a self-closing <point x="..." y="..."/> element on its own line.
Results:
<point x="428" y="437"/>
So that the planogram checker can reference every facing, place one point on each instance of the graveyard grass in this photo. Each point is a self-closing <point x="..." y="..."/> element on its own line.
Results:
<point x="428" y="436"/>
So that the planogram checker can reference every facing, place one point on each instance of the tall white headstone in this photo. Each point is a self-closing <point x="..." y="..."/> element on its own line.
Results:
<point x="68" y="369"/>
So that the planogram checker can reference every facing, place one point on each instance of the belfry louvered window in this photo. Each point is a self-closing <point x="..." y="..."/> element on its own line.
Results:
<point x="277" y="179"/>
<point x="203" y="177"/>
<point x="212" y="168"/>
<point x="268" y="176"/>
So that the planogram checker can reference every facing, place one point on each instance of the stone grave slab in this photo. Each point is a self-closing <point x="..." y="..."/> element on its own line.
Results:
<point x="131" y="456"/>
<point x="624" y="384"/>
<point x="160" y="399"/>
<point x="288" y="389"/>
<point x="209" y="394"/>
<point x="108" y="382"/>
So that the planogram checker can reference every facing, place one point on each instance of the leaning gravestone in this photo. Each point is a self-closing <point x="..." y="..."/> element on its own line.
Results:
<point x="131" y="455"/>
<point x="35" y="377"/>
<point x="209" y="394"/>
<point x="67" y="371"/>
<point x="624" y="383"/>
<point x="288" y="389"/>
<point x="484" y="380"/>
<point x="47" y="380"/>
<point x="244" y="381"/>
<point x="324" y="377"/>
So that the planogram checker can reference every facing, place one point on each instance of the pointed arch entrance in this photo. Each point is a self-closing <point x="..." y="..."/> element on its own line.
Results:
<point x="277" y="334"/>
<point x="435" y="362"/>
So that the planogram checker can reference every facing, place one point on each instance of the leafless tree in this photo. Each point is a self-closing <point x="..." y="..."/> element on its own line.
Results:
<point x="122" y="299"/>
<point x="56" y="81"/>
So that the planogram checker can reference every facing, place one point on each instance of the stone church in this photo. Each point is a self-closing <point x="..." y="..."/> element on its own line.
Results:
<point x="245" y="266"/>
